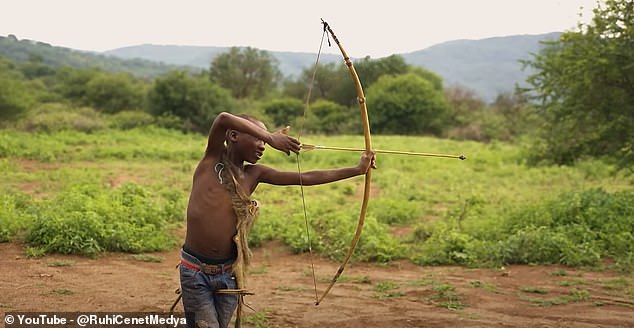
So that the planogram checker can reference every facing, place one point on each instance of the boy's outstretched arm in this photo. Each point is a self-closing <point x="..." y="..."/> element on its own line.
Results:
<point x="309" y="178"/>
<point x="226" y="121"/>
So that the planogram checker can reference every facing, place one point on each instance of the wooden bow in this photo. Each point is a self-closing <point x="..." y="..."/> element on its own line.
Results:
<point x="368" y="175"/>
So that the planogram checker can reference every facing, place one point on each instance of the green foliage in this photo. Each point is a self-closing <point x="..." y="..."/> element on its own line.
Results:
<point x="407" y="104"/>
<point x="193" y="99"/>
<point x="488" y="210"/>
<point x="508" y="118"/>
<point x="14" y="215"/>
<point x="327" y="84"/>
<point x="332" y="81"/>
<point x="147" y="143"/>
<point x="331" y="233"/>
<point x="39" y="53"/>
<point x="14" y="97"/>
<point x="574" y="295"/>
<point x="369" y="71"/>
<point x="89" y="219"/>
<point x="428" y="75"/>
<point x="112" y="93"/>
<point x="585" y="89"/>
<point x="575" y="229"/>
<point x="283" y="111"/>
<point x="129" y="119"/>
<point x="71" y="83"/>
<point x="53" y="117"/>
<point x="246" y="72"/>
<point x="332" y="118"/>
<point x="447" y="245"/>
<point x="394" y="211"/>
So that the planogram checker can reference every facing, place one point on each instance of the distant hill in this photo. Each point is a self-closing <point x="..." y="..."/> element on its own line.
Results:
<point x="487" y="66"/>
<point x="291" y="64"/>
<point x="25" y="50"/>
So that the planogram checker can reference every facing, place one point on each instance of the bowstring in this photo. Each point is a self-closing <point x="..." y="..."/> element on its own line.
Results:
<point x="299" y="169"/>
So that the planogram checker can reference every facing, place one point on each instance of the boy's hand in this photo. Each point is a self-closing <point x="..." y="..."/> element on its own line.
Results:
<point x="282" y="142"/>
<point x="367" y="161"/>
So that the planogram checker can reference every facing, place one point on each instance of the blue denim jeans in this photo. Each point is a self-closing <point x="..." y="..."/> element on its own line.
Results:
<point x="203" y="307"/>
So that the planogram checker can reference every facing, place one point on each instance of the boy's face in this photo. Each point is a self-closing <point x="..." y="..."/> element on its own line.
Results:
<point x="249" y="147"/>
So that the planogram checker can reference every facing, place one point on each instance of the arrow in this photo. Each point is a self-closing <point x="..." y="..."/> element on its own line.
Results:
<point x="378" y="151"/>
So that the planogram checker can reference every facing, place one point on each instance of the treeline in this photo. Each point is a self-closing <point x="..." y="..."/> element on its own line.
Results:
<point x="580" y="103"/>
<point x="403" y="99"/>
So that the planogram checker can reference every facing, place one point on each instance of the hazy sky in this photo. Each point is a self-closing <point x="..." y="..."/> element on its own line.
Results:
<point x="369" y="27"/>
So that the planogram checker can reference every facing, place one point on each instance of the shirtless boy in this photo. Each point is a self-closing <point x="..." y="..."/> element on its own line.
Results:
<point x="214" y="249"/>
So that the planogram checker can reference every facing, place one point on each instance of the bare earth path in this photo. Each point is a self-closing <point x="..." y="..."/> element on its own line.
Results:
<point x="397" y="295"/>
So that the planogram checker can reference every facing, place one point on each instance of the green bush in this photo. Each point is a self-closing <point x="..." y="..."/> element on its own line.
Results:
<point x="447" y="245"/>
<point x="14" y="215"/>
<point x="283" y="111"/>
<point x="51" y="118"/>
<point x="577" y="228"/>
<point x="88" y="220"/>
<point x="126" y="120"/>
<point x="394" y="211"/>
<point x="333" y="233"/>
<point x="15" y="97"/>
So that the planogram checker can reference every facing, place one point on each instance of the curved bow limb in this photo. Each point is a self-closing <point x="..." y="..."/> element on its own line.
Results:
<point x="368" y="176"/>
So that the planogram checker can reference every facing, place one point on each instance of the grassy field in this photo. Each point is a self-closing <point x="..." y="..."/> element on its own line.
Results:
<point x="72" y="192"/>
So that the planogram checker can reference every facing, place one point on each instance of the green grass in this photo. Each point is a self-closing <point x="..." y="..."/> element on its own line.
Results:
<point x="63" y="291"/>
<point x="573" y="295"/>
<point x="85" y="193"/>
<point x="260" y="319"/>
<point x="60" y="263"/>
<point x="147" y="258"/>
<point x="387" y="288"/>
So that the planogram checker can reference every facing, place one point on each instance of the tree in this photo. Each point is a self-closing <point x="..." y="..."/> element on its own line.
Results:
<point x="14" y="98"/>
<point x="328" y="78"/>
<point x="283" y="111"/>
<point x="112" y="93"/>
<point x="331" y="118"/>
<point x="193" y="99"/>
<point x="407" y="104"/>
<point x="246" y="72"/>
<point x="584" y="85"/>
<point x="369" y="71"/>
<point x="71" y="83"/>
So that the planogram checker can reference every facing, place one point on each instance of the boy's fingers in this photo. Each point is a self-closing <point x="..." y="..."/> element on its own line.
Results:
<point x="373" y="159"/>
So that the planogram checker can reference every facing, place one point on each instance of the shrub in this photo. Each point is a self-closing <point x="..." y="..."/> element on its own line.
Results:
<point x="577" y="228"/>
<point x="88" y="220"/>
<point x="126" y="120"/>
<point x="54" y="117"/>
<point x="14" y="215"/>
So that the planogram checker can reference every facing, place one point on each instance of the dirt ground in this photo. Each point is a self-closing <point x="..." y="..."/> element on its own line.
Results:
<point x="368" y="295"/>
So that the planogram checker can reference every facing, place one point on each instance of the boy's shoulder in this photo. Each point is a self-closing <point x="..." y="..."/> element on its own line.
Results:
<point x="256" y="170"/>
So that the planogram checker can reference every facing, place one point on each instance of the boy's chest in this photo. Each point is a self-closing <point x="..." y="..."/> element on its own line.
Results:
<point x="246" y="183"/>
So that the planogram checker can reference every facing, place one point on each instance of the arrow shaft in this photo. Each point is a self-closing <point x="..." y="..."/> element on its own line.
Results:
<point x="379" y="151"/>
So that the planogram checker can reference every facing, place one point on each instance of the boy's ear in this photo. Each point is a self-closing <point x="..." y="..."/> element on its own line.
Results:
<point x="232" y="135"/>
